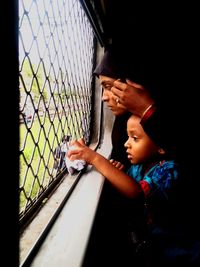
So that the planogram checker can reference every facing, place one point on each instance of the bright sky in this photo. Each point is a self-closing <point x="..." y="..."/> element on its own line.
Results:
<point x="57" y="32"/>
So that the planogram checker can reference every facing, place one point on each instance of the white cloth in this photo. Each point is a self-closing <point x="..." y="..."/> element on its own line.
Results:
<point x="75" y="165"/>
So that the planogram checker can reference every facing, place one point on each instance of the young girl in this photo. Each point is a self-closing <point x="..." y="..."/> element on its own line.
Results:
<point x="150" y="172"/>
<point x="152" y="176"/>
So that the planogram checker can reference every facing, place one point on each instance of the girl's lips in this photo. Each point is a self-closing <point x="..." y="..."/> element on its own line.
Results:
<point x="129" y="155"/>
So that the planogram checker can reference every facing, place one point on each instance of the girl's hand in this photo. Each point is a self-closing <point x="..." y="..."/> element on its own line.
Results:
<point x="79" y="150"/>
<point x="117" y="164"/>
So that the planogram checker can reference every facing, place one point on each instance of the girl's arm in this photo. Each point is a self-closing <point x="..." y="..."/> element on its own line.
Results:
<point x="124" y="183"/>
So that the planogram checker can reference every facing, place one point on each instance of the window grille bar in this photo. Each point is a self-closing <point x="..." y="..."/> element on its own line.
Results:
<point x="56" y="60"/>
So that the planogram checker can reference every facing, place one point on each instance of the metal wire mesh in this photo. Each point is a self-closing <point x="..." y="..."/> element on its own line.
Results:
<point x="56" y="49"/>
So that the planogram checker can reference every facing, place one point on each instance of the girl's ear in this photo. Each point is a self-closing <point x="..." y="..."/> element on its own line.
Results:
<point x="161" y="151"/>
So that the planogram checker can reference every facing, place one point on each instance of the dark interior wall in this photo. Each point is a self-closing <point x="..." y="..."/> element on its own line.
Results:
<point x="9" y="133"/>
<point x="163" y="35"/>
<point x="154" y="28"/>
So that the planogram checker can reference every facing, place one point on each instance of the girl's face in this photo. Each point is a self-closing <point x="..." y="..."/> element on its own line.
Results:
<point x="139" y="146"/>
<point x="109" y="97"/>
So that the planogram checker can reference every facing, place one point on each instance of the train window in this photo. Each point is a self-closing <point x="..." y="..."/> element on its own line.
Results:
<point x="59" y="44"/>
<point x="57" y="53"/>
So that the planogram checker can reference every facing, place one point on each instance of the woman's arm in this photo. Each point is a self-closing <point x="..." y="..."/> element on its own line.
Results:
<point x="157" y="119"/>
<point x="134" y="97"/>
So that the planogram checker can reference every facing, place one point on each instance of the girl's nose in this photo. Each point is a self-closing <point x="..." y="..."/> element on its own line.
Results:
<point x="126" y="144"/>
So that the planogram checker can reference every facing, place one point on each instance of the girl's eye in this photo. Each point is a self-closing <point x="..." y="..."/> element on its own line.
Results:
<point x="135" y="138"/>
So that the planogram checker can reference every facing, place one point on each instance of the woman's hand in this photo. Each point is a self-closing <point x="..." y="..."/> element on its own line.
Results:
<point x="134" y="97"/>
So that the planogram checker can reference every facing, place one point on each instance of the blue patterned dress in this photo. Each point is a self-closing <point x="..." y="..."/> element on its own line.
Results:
<point x="158" y="185"/>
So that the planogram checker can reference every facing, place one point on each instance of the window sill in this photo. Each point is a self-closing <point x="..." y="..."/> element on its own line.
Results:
<point x="66" y="241"/>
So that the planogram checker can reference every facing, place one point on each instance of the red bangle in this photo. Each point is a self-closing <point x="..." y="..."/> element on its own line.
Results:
<point x="147" y="113"/>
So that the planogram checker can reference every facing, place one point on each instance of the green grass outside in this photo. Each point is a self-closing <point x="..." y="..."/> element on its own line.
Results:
<point x="33" y="157"/>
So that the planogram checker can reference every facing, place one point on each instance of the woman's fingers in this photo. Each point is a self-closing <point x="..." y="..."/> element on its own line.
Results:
<point x="136" y="85"/>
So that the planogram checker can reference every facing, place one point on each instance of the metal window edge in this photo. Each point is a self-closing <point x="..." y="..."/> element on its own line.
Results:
<point x="65" y="242"/>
